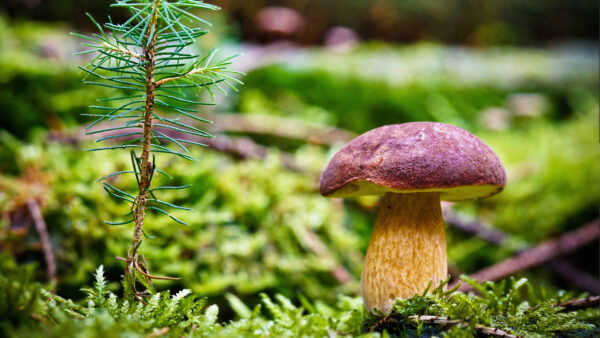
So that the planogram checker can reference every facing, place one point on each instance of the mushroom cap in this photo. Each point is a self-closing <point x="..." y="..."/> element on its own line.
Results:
<point x="414" y="157"/>
<point x="283" y="20"/>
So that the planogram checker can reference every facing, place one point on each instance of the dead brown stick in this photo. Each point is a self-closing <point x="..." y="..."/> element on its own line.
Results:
<point x="490" y="331"/>
<point x="575" y="304"/>
<point x="282" y="127"/>
<point x="578" y="304"/>
<point x="159" y="333"/>
<point x="314" y="243"/>
<point x="488" y="234"/>
<point x="445" y="321"/>
<point x="243" y="147"/>
<point x="251" y="123"/>
<point x="570" y="305"/>
<point x="40" y="226"/>
<point x="574" y="276"/>
<point x="559" y="266"/>
<point x="539" y="254"/>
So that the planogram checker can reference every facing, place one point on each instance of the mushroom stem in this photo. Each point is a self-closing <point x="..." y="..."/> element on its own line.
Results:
<point x="407" y="249"/>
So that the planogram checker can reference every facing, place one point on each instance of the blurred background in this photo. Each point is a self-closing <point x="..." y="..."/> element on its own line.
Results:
<point x="521" y="75"/>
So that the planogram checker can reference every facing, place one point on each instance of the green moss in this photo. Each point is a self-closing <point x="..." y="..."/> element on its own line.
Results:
<point x="514" y="307"/>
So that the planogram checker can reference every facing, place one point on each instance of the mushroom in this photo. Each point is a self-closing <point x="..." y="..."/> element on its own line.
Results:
<point x="414" y="165"/>
<point x="279" y="22"/>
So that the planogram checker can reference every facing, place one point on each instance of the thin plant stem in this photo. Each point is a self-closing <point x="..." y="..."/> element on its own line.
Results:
<point x="140" y="210"/>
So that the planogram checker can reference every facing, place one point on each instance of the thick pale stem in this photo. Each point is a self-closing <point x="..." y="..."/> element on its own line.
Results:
<point x="407" y="249"/>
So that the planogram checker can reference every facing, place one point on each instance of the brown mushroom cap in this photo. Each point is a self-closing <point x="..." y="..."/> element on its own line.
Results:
<point x="414" y="157"/>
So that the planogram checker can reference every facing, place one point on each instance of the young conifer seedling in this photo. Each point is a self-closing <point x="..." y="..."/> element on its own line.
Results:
<point x="150" y="60"/>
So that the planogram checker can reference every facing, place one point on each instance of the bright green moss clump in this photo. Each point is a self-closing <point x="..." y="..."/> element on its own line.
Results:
<point x="514" y="307"/>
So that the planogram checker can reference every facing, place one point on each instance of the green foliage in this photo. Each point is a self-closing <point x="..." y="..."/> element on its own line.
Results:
<point x="257" y="227"/>
<point x="544" y="321"/>
<point x="183" y="314"/>
<point x="105" y="314"/>
<point x="20" y="295"/>
<point x="376" y="85"/>
<point x="38" y="86"/>
<point x="249" y="230"/>
<point x="514" y="307"/>
<point x="254" y="225"/>
<point x="538" y="177"/>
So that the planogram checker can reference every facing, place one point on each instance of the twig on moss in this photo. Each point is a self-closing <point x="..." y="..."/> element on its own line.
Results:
<point x="488" y="234"/>
<point x="158" y="333"/>
<point x="40" y="226"/>
<point x="282" y="127"/>
<point x="559" y="266"/>
<point x="574" y="304"/>
<point x="490" y="331"/>
<point x="314" y="243"/>
<point x="392" y="319"/>
<point x="539" y="254"/>
<point x="242" y="147"/>
<point x="245" y="148"/>
<point x="578" y="304"/>
<point x="574" y="276"/>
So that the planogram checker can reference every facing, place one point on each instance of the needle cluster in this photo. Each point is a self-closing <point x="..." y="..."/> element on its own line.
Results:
<point x="151" y="62"/>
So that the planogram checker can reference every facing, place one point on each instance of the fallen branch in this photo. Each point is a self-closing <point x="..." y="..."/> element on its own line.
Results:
<point x="488" y="234"/>
<point x="574" y="276"/>
<point x="538" y="254"/>
<point x="575" y="304"/>
<point x="578" y="304"/>
<point x="559" y="266"/>
<point x="243" y="147"/>
<point x="254" y="124"/>
<point x="314" y="243"/>
<point x="40" y="226"/>
<point x="159" y="333"/>
<point x="570" y="305"/>
<point x="490" y="331"/>
<point x="445" y="321"/>
<point x="282" y="127"/>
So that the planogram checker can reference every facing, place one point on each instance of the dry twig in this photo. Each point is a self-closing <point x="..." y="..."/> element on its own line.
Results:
<point x="281" y="127"/>
<point x="445" y="321"/>
<point x="314" y="243"/>
<point x="574" y="276"/>
<point x="539" y="254"/>
<point x="559" y="266"/>
<point x="159" y="333"/>
<point x="490" y="331"/>
<point x="578" y="304"/>
<point x="40" y="226"/>
<point x="243" y="147"/>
